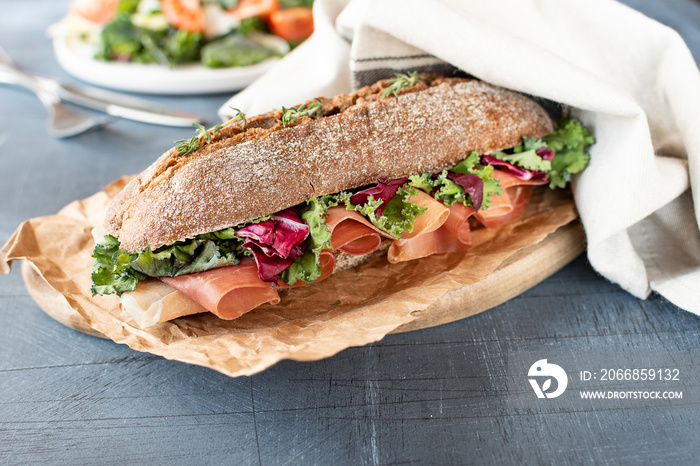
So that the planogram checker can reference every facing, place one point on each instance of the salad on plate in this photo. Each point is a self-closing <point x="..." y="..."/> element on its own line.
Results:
<point x="172" y="33"/>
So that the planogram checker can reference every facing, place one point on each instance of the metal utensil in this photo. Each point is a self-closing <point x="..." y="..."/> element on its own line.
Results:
<point x="123" y="106"/>
<point x="111" y="103"/>
<point x="62" y="122"/>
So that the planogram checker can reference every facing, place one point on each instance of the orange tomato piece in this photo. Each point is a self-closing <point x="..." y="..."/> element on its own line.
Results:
<point x="250" y="8"/>
<point x="292" y="24"/>
<point x="184" y="14"/>
<point x="97" y="11"/>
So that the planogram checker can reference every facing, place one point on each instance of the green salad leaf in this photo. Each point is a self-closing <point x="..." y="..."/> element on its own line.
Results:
<point x="111" y="272"/>
<point x="115" y="270"/>
<point x="569" y="143"/>
<point x="307" y="268"/>
<point x="234" y="50"/>
<point x="398" y="216"/>
<point x="527" y="159"/>
<point x="449" y="192"/>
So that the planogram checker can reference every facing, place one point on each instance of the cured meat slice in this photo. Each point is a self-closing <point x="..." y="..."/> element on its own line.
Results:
<point x="514" y="200"/>
<point x="228" y="292"/>
<point x="435" y="215"/>
<point x="352" y="233"/>
<point x="518" y="198"/>
<point x="499" y="206"/>
<point x="508" y="179"/>
<point x="154" y="301"/>
<point x="453" y="235"/>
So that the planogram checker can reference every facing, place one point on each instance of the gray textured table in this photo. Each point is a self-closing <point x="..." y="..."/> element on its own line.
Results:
<point x="452" y="394"/>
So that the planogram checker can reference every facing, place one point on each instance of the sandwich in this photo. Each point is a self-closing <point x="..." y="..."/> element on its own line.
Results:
<point x="406" y="168"/>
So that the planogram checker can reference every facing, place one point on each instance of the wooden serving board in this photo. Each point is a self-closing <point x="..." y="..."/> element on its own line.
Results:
<point x="522" y="271"/>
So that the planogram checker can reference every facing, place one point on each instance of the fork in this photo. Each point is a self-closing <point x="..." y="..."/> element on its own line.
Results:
<point x="62" y="121"/>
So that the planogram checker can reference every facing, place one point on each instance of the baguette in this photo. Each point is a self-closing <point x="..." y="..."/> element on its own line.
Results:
<point x="261" y="205"/>
<point x="243" y="175"/>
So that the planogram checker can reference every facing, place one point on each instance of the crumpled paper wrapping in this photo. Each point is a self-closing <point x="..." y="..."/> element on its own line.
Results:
<point x="310" y="323"/>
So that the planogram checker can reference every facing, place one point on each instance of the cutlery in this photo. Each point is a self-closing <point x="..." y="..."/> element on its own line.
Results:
<point x="52" y="93"/>
<point x="62" y="122"/>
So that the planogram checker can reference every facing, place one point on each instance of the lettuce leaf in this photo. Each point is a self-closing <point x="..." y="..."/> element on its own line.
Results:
<point x="555" y="157"/>
<point x="115" y="270"/>
<point x="444" y="189"/>
<point x="522" y="173"/>
<point x="569" y="142"/>
<point x="384" y="190"/>
<point x="397" y="216"/>
<point x="111" y="272"/>
<point x="307" y="268"/>
<point x="527" y="155"/>
<point x="472" y="185"/>
<point x="529" y="160"/>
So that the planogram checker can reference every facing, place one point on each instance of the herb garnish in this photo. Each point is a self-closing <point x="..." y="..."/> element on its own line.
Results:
<point x="292" y="115"/>
<point x="401" y="81"/>
<point x="187" y="146"/>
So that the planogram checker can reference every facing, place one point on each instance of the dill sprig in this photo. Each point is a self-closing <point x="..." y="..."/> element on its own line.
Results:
<point x="401" y="81"/>
<point x="203" y="136"/>
<point x="292" y="115"/>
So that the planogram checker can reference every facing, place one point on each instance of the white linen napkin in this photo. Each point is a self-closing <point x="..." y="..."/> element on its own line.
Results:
<point x="630" y="79"/>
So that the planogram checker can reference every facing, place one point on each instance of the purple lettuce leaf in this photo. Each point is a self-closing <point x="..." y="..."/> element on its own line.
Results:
<point x="521" y="173"/>
<point x="472" y="184"/>
<point x="385" y="190"/>
<point x="546" y="153"/>
<point x="275" y="243"/>
<point x="269" y="267"/>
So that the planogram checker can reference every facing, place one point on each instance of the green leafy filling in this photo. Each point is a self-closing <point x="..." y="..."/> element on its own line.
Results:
<point x="449" y="192"/>
<point x="525" y="155"/>
<point x="307" y="268"/>
<point x="569" y="143"/>
<point x="115" y="270"/>
<point x="149" y="38"/>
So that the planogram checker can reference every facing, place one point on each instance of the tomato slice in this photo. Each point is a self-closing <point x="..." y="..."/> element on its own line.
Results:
<point x="184" y="14"/>
<point x="292" y="24"/>
<point x="97" y="11"/>
<point x="250" y="8"/>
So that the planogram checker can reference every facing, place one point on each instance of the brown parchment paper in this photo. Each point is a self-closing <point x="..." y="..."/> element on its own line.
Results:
<point x="351" y="308"/>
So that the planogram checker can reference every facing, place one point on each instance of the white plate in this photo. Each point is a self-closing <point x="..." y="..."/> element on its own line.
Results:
<point x="76" y="58"/>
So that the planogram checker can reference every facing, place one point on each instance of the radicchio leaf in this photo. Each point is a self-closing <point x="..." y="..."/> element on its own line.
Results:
<point x="546" y="153"/>
<point x="270" y="266"/>
<point x="472" y="184"/>
<point x="385" y="190"/>
<point x="521" y="173"/>
<point x="275" y="243"/>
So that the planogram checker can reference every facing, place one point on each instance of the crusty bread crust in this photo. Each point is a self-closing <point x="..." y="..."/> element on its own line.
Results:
<point x="268" y="167"/>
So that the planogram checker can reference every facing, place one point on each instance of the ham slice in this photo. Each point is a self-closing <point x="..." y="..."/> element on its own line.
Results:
<point x="508" y="179"/>
<point x="154" y="301"/>
<point x="435" y="215"/>
<point x="351" y="233"/>
<point x="228" y="292"/>
<point x="453" y="235"/>
<point x="518" y="198"/>
<point x="514" y="200"/>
